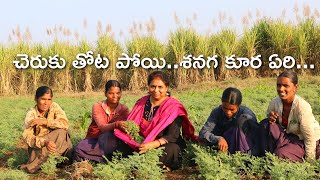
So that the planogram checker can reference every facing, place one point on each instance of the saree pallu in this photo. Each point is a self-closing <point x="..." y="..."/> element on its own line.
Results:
<point x="168" y="111"/>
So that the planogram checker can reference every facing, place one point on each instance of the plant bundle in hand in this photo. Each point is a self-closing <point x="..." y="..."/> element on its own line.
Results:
<point x="133" y="130"/>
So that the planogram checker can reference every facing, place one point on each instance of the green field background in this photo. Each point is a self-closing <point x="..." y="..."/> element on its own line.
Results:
<point x="199" y="100"/>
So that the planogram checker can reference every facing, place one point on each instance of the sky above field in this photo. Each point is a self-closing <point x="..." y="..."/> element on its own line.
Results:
<point x="77" y="19"/>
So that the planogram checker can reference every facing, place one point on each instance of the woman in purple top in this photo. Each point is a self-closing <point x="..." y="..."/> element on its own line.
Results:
<point x="230" y="126"/>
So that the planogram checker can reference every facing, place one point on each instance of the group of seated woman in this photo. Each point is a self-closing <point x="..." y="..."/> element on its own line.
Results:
<point x="290" y="130"/>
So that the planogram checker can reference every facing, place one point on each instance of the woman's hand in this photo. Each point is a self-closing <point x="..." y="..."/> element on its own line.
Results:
<point x="148" y="146"/>
<point x="273" y="117"/>
<point x="38" y="122"/>
<point x="121" y="125"/>
<point x="222" y="145"/>
<point x="51" y="146"/>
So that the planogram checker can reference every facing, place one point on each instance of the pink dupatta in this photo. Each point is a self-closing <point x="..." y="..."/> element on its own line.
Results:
<point x="168" y="111"/>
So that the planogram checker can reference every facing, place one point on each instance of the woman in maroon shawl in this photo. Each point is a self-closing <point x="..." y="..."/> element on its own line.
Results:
<point x="106" y="116"/>
<point x="160" y="118"/>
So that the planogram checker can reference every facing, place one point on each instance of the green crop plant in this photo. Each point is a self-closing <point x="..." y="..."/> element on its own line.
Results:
<point x="133" y="130"/>
<point x="136" y="166"/>
<point x="64" y="79"/>
<point x="108" y="47"/>
<point x="247" y="47"/>
<point x="284" y="169"/>
<point x="212" y="164"/>
<point x="182" y="42"/>
<point x="147" y="47"/>
<point x="84" y="47"/>
<point x="13" y="175"/>
<point x="49" y="167"/>
<point x="226" y="46"/>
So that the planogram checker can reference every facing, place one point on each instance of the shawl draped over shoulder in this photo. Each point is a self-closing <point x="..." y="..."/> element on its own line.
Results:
<point x="168" y="111"/>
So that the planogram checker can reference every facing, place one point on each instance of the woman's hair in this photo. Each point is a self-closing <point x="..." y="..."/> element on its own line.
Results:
<point x="158" y="74"/>
<point x="112" y="83"/>
<point x="291" y="75"/>
<point x="232" y="96"/>
<point x="43" y="90"/>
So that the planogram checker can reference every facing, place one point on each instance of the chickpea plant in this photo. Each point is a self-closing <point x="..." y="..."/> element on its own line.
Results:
<point x="133" y="130"/>
<point x="49" y="167"/>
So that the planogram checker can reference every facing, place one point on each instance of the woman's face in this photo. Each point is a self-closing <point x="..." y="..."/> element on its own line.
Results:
<point x="113" y="95"/>
<point x="286" y="89"/>
<point x="229" y="109"/>
<point x="157" y="89"/>
<point x="44" y="102"/>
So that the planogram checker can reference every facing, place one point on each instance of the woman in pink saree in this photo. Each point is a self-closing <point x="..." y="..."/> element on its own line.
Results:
<point x="160" y="118"/>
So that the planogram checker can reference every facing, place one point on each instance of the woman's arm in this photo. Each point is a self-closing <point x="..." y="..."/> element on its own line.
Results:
<point x="206" y="132"/>
<point x="101" y="119"/>
<point x="273" y="112"/>
<point x="28" y="133"/>
<point x="32" y="140"/>
<point x="306" y="120"/>
<point x="172" y="132"/>
<point x="59" y="119"/>
<point x="169" y="135"/>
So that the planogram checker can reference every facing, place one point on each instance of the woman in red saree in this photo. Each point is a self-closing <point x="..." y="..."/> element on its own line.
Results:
<point x="160" y="118"/>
